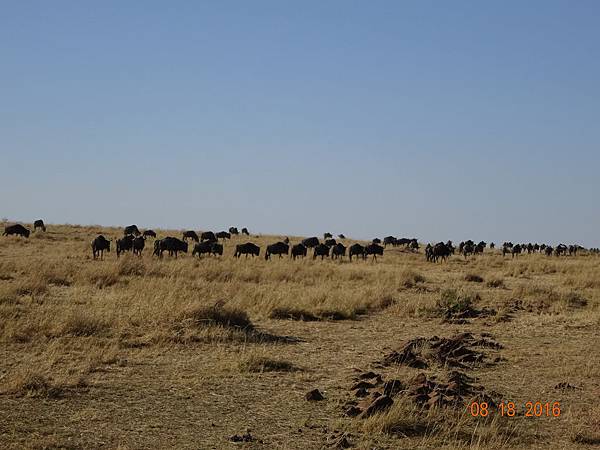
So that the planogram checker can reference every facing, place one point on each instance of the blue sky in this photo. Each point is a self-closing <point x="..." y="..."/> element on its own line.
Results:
<point x="438" y="120"/>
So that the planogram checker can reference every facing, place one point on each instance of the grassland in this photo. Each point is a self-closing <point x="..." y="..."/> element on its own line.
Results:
<point x="185" y="353"/>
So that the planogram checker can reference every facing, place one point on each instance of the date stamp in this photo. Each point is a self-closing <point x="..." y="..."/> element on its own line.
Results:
<point x="511" y="409"/>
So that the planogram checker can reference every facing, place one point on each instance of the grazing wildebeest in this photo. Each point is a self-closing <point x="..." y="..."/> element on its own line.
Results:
<point x="492" y="245"/>
<point x="278" y="248"/>
<point x="414" y="245"/>
<point x="330" y="242"/>
<point x="438" y="251"/>
<point x="341" y="236"/>
<point x="245" y="231"/>
<point x="356" y="250"/>
<point x="234" y="230"/>
<point x="99" y="244"/>
<point x="131" y="229"/>
<point x="389" y="240"/>
<point x="138" y="245"/>
<point x="286" y="240"/>
<point x="374" y="249"/>
<point x="17" y="229"/>
<point x="403" y="241"/>
<point x="223" y="235"/>
<point x="376" y="241"/>
<point x="208" y="236"/>
<point x="516" y="250"/>
<point x="149" y="233"/>
<point x="479" y="248"/>
<point x="246" y="249"/>
<point x="548" y="250"/>
<point x="212" y="248"/>
<point x="216" y="249"/>
<point x="450" y="247"/>
<point x="298" y="250"/>
<point x="467" y="248"/>
<point x="125" y="244"/>
<point x="327" y="236"/>
<point x="561" y="249"/>
<point x="39" y="224"/>
<point x="171" y="245"/>
<point x="338" y="250"/>
<point x="310" y="242"/>
<point x="321" y="250"/>
<point x="190" y="234"/>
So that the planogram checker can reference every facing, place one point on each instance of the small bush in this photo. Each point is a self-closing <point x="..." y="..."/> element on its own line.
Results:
<point x="32" y="384"/>
<point x="575" y="300"/>
<point x="201" y="316"/>
<point x="452" y="303"/>
<point x="409" y="278"/>
<point x="80" y="325"/>
<point x="130" y="265"/>
<point x="34" y="287"/>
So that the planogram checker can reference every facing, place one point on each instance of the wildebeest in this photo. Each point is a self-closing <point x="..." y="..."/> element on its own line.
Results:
<point x="492" y="245"/>
<point x="327" y="236"/>
<point x="286" y="240"/>
<point x="438" y="251"/>
<point x="403" y="241"/>
<point x="341" y="236"/>
<point x="246" y="249"/>
<point x="298" y="250"/>
<point x="234" y="230"/>
<point x="17" y="229"/>
<point x="99" y="244"/>
<point x="171" y="245"/>
<point x="356" y="250"/>
<point x="321" y="250"/>
<point x="466" y="248"/>
<point x="213" y="248"/>
<point x="223" y="235"/>
<point x="245" y="231"/>
<point x="516" y="250"/>
<point x="376" y="241"/>
<point x="190" y="234"/>
<point x="548" y="250"/>
<point x="131" y="229"/>
<point x="149" y="233"/>
<point x="39" y="224"/>
<point x="208" y="236"/>
<point x="138" y="245"/>
<point x="561" y="249"/>
<point x="125" y="244"/>
<point x="310" y="242"/>
<point x="479" y="248"/>
<point x="374" y="249"/>
<point x="330" y="242"/>
<point x="278" y="248"/>
<point x="338" y="250"/>
<point x="389" y="240"/>
<point x="414" y="245"/>
<point x="216" y="248"/>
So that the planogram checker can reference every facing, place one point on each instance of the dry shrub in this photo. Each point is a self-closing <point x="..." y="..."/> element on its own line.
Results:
<point x="130" y="265"/>
<point x="474" y="278"/>
<point x="101" y="276"/>
<point x="78" y="324"/>
<point x="496" y="282"/>
<point x="409" y="278"/>
<point x="216" y="315"/>
<point x="254" y="363"/>
<point x="452" y="302"/>
<point x="31" y="286"/>
<point x="574" y="300"/>
<point x="33" y="384"/>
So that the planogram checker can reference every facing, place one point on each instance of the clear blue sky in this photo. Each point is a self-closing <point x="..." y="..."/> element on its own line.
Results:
<point x="463" y="119"/>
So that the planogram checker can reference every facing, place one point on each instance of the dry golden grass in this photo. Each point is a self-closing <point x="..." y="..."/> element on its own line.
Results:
<point x="183" y="353"/>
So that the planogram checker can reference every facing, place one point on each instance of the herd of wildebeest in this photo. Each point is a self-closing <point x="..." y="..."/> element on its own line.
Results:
<point x="207" y="243"/>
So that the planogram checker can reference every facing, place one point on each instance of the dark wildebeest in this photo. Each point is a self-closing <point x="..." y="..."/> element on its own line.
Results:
<point x="403" y="241"/>
<point x="438" y="251"/>
<point x="327" y="236"/>
<point x="414" y="245"/>
<point x="131" y="229"/>
<point x="149" y="233"/>
<point x="190" y="234"/>
<point x="223" y="235"/>
<point x="286" y="240"/>
<point x="208" y="236"/>
<point x="310" y="242"/>
<point x="341" y="236"/>
<point x="479" y="248"/>
<point x="338" y="250"/>
<point x="171" y="245"/>
<point x="279" y="248"/>
<point x="389" y="240"/>
<point x="467" y="248"/>
<point x="298" y="250"/>
<point x="561" y="249"/>
<point x="39" y="224"/>
<point x="99" y="244"/>
<point x="246" y="249"/>
<point x="245" y="231"/>
<point x="138" y="245"/>
<point x="125" y="244"/>
<point x="216" y="249"/>
<point x="212" y="248"/>
<point x="321" y="250"/>
<point x="516" y="250"/>
<point x="376" y="241"/>
<point x="17" y="229"/>
<point x="450" y="247"/>
<point x="234" y="230"/>
<point x="492" y="245"/>
<point x="548" y="250"/>
<point x="356" y="250"/>
<point x="330" y="242"/>
<point x="374" y="249"/>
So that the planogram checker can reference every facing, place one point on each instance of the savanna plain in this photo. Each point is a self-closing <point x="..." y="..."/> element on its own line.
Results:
<point x="220" y="352"/>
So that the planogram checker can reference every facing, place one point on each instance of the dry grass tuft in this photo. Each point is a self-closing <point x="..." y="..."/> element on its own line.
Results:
<point x="287" y="313"/>
<point x="78" y="324"/>
<point x="259" y="364"/>
<point x="496" y="282"/>
<point x="474" y="278"/>
<point x="216" y="315"/>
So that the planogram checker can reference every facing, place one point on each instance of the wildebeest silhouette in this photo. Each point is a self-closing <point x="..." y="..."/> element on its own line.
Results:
<point x="149" y="233"/>
<point x="138" y="245"/>
<point x="245" y="231"/>
<point x="99" y="244"/>
<point x="125" y="244"/>
<point x="338" y="251"/>
<point x="298" y="250"/>
<point x="374" y="249"/>
<point x="131" y="229"/>
<point x="208" y="236"/>
<point x="223" y="235"/>
<point x="39" y="224"/>
<point x="310" y="242"/>
<point x="278" y="248"/>
<point x="357" y="250"/>
<point x="321" y="250"/>
<point x="190" y="234"/>
<point x="171" y="245"/>
<point x="16" y="229"/>
<point x="248" y="248"/>
<point x="233" y="230"/>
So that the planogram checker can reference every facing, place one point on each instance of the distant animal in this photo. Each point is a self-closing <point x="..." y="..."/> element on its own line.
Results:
<point x="548" y="250"/>
<point x="357" y="250"/>
<point x="341" y="236"/>
<point x="208" y="236"/>
<point x="479" y="248"/>
<point x="467" y="248"/>
<point x="330" y="242"/>
<point x="171" y="245"/>
<point x="327" y="236"/>
<point x="413" y="245"/>
<point x="138" y="245"/>
<point x="561" y="249"/>
<point x="338" y="251"/>
<point x="16" y="229"/>
<point x="374" y="249"/>
<point x="131" y="229"/>
<point x="246" y="249"/>
<point x="279" y="248"/>
<point x="516" y="250"/>
<point x="223" y="235"/>
<point x="39" y="224"/>
<point x="99" y="245"/>
<point x="234" y="230"/>
<point x="376" y="241"/>
<point x="216" y="249"/>
<point x="310" y="242"/>
<point x="403" y="241"/>
<point x="190" y="234"/>
<point x="298" y="250"/>
<point x="125" y="244"/>
<point x="492" y="245"/>
<point x="245" y="231"/>
<point x="213" y="248"/>
<point x="320" y="250"/>
<point x="389" y="240"/>
<point x="149" y="233"/>
<point x="286" y="240"/>
<point x="438" y="251"/>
